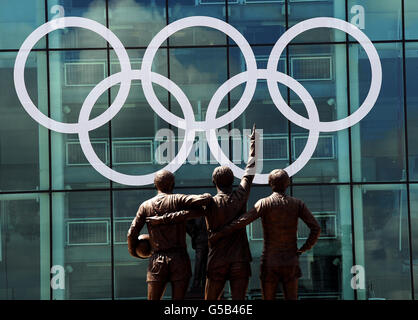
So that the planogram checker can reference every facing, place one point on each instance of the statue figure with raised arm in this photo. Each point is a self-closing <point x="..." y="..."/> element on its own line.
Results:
<point x="229" y="259"/>
<point x="279" y="215"/>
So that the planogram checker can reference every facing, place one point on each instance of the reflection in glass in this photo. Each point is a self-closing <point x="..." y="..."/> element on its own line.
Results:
<point x="378" y="143"/>
<point x="381" y="241"/>
<point x="411" y="19"/>
<point x="18" y="19"/>
<point x="258" y="21"/>
<point x="414" y="233"/>
<point x="298" y="11"/>
<point x="135" y="23"/>
<point x="81" y="244"/>
<point x="24" y="247"/>
<point x="73" y="74"/>
<point x="378" y="19"/>
<point x="23" y="143"/>
<point x="196" y="35"/>
<point x="411" y="65"/>
<point x="75" y="37"/>
<point x="322" y="70"/>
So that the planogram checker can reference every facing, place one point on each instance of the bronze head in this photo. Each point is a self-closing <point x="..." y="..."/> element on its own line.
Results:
<point x="223" y="177"/>
<point x="164" y="181"/>
<point x="279" y="180"/>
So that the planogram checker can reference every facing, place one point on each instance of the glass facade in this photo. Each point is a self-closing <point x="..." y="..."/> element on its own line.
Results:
<point x="361" y="183"/>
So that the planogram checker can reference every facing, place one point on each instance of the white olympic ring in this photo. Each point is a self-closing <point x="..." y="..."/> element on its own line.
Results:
<point x="211" y="123"/>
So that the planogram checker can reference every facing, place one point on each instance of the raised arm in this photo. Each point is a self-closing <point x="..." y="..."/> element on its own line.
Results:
<point x="134" y="230"/>
<point x="248" y="177"/>
<point x="315" y="230"/>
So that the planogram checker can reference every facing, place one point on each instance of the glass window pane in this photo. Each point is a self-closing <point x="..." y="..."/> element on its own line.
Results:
<point x="20" y="18"/>
<point x="414" y="233"/>
<point x="327" y="266"/>
<point x="135" y="23"/>
<point x="136" y="127"/>
<point x="73" y="74"/>
<point x="411" y="19"/>
<point x="271" y="124"/>
<point x="302" y="10"/>
<point x="411" y="67"/>
<point x="75" y="37"/>
<point x="81" y="244"/>
<point x="259" y="21"/>
<point x="322" y="70"/>
<point x="378" y="143"/>
<point x="378" y="19"/>
<point x="196" y="35"/>
<point x="381" y="241"/>
<point x="24" y="246"/>
<point x="24" y="159"/>
<point x="199" y="72"/>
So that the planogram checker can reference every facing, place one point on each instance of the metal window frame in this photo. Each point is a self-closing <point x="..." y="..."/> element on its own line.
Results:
<point x="82" y="62"/>
<point x="86" y="221"/>
<point x="121" y="142"/>
<point x="313" y="57"/>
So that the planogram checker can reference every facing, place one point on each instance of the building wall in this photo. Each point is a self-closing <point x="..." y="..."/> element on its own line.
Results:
<point x="361" y="183"/>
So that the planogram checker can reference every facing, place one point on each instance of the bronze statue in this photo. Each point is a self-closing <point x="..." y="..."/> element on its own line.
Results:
<point x="169" y="260"/>
<point x="279" y="215"/>
<point x="228" y="259"/>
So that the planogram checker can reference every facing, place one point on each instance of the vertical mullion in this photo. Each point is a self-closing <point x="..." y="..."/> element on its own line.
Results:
<point x="109" y="101"/>
<point x="228" y="74"/>
<point x="347" y="56"/>
<point x="405" y="106"/>
<point x="289" y="126"/>
<point x="49" y="149"/>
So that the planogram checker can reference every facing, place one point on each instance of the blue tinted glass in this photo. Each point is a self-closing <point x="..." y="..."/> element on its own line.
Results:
<point x="299" y="11"/>
<point x="411" y="19"/>
<point x="24" y="151"/>
<point x="136" y="22"/>
<point x="81" y="244"/>
<point x="378" y="19"/>
<point x="412" y="107"/>
<point x="258" y="21"/>
<point x="381" y="241"/>
<point x="196" y="35"/>
<point x="378" y="143"/>
<point x="322" y="70"/>
<point x="75" y="37"/>
<point x="73" y="74"/>
<point x="414" y="231"/>
<point x="19" y="19"/>
<point x="24" y="251"/>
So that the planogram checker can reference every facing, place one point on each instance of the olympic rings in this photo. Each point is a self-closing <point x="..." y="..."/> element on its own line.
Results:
<point x="189" y="124"/>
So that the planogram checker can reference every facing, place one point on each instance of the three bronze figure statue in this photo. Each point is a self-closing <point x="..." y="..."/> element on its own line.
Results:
<point x="168" y="215"/>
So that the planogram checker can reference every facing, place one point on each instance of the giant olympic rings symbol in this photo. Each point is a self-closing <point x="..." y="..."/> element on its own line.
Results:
<point x="211" y="123"/>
